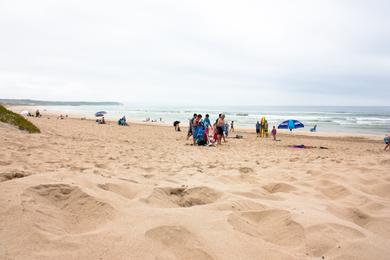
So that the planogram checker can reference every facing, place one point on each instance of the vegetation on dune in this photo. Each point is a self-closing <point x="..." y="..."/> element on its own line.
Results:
<point x="12" y="118"/>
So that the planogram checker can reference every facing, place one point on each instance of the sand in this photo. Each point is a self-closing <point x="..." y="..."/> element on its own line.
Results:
<point x="80" y="190"/>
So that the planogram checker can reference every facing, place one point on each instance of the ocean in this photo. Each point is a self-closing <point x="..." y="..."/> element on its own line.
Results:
<point x="342" y="119"/>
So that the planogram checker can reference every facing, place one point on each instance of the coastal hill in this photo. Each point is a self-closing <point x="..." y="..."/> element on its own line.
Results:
<point x="31" y="102"/>
<point x="9" y="117"/>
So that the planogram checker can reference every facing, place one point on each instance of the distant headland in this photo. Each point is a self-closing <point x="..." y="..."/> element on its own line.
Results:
<point x="31" y="102"/>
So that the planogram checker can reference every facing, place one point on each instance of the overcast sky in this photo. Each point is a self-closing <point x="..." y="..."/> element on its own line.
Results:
<point x="310" y="52"/>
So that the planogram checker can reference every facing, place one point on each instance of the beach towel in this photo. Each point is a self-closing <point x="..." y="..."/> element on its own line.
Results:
<point x="302" y="146"/>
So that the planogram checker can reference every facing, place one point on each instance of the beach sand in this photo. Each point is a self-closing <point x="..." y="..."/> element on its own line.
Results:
<point x="80" y="190"/>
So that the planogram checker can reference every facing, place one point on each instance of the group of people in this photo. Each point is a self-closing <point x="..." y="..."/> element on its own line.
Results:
<point x="101" y="121"/>
<point x="37" y="113"/>
<point x="203" y="132"/>
<point x="262" y="130"/>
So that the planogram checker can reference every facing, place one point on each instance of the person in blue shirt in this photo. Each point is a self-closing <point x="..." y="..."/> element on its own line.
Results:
<point x="387" y="142"/>
<point x="206" y="121"/>
<point x="258" y="128"/>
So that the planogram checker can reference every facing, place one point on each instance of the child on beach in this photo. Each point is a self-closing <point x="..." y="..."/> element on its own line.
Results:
<point x="232" y="126"/>
<point x="387" y="142"/>
<point x="273" y="133"/>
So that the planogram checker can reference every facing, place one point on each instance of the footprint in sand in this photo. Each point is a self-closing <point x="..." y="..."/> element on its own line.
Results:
<point x="124" y="190"/>
<point x="245" y="170"/>
<point x="239" y="205"/>
<point x="62" y="208"/>
<point x="378" y="225"/>
<point x="182" y="197"/>
<point x="380" y="190"/>
<point x="13" y="174"/>
<point x="178" y="243"/>
<point x="279" y="187"/>
<point x="322" y="238"/>
<point x="275" y="226"/>
<point x="335" y="191"/>
<point x="3" y="163"/>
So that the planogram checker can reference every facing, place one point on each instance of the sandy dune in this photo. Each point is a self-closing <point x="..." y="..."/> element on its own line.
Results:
<point x="84" y="191"/>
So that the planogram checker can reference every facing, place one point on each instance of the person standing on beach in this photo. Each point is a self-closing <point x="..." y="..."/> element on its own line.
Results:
<point x="220" y="128"/>
<point x="232" y="126"/>
<point x="191" y="122"/>
<point x="387" y="142"/>
<point x="195" y="127"/>
<point x="258" y="127"/>
<point x="266" y="128"/>
<point x="273" y="133"/>
<point x="207" y="123"/>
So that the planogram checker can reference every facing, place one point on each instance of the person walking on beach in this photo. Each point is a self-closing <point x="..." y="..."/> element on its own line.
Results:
<point x="387" y="142"/>
<point x="273" y="133"/>
<point x="191" y="122"/>
<point x="232" y="126"/>
<point x="258" y="127"/>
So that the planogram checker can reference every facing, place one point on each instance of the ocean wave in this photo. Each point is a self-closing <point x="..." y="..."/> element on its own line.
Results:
<point x="242" y="114"/>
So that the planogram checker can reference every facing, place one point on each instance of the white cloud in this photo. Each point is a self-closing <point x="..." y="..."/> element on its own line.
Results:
<point x="320" y="52"/>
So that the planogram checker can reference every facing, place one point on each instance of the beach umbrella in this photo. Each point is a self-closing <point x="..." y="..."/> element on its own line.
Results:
<point x="100" y="113"/>
<point x="24" y="113"/>
<point x="291" y="124"/>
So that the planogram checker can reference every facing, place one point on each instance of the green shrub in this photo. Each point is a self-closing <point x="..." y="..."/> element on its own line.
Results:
<point x="12" y="118"/>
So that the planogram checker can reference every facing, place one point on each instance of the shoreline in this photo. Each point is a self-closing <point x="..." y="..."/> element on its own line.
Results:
<point x="111" y="119"/>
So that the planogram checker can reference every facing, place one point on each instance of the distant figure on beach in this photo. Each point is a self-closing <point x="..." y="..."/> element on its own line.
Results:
<point x="273" y="133"/>
<point x="258" y="128"/>
<point x="37" y="113"/>
<point x="266" y="128"/>
<point x="176" y="124"/>
<point x="122" y="121"/>
<point x="102" y="122"/>
<point x="387" y="142"/>
<point x="226" y="129"/>
<point x="314" y="129"/>
<point x="191" y="123"/>
<point x="232" y="126"/>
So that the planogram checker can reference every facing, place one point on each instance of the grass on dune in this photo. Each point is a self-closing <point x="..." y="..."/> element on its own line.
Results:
<point x="12" y="118"/>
